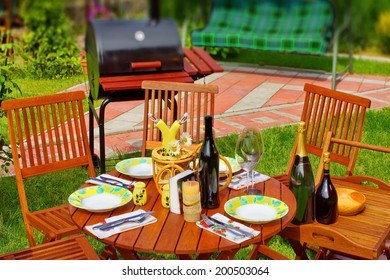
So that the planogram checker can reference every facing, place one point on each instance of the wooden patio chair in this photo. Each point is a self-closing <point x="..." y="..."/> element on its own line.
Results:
<point x="368" y="236"/>
<point x="47" y="134"/>
<point x="76" y="247"/>
<point x="326" y="110"/>
<point x="340" y="149"/>
<point x="330" y="110"/>
<point x="195" y="99"/>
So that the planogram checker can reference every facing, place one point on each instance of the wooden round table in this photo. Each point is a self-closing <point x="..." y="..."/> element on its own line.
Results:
<point x="172" y="235"/>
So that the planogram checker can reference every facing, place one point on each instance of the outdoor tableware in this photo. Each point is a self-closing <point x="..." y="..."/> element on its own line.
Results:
<point x="121" y="223"/>
<point x="100" y="198"/>
<point x="231" y="227"/>
<point x="118" y="222"/>
<point x="112" y="225"/>
<point x="248" y="152"/>
<point x="350" y="202"/>
<point x="256" y="209"/>
<point x="138" y="168"/>
<point x="223" y="169"/>
<point x="229" y="232"/>
<point x="108" y="182"/>
<point x="216" y="226"/>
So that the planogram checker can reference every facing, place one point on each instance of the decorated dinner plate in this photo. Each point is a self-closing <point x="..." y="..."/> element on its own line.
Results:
<point x="233" y="163"/>
<point x="223" y="167"/>
<point x="138" y="168"/>
<point x="100" y="198"/>
<point x="256" y="209"/>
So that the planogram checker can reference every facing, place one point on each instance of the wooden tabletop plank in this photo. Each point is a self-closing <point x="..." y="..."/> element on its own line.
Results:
<point x="170" y="234"/>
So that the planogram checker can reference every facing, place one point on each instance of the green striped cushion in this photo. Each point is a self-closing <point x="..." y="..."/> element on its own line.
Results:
<point x="303" y="26"/>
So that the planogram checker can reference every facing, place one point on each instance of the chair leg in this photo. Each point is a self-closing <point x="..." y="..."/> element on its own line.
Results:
<point x="109" y="252"/>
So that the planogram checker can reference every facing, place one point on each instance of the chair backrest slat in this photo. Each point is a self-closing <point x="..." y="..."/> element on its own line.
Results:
<point x="169" y="101"/>
<point x="48" y="132"/>
<point x="327" y="110"/>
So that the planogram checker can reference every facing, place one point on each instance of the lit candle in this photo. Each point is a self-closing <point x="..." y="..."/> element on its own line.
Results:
<point x="191" y="192"/>
<point x="190" y="187"/>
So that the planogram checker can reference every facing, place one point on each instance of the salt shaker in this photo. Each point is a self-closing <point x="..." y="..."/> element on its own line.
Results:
<point x="139" y="194"/>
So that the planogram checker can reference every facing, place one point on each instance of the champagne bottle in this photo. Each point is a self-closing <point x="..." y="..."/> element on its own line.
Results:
<point x="326" y="197"/>
<point x="302" y="181"/>
<point x="209" y="168"/>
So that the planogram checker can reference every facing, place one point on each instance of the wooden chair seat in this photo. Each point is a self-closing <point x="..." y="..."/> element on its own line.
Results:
<point x="76" y="247"/>
<point x="54" y="222"/>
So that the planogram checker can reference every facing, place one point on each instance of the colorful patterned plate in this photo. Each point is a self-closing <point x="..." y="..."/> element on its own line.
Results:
<point x="223" y="167"/>
<point x="256" y="209"/>
<point x="233" y="163"/>
<point x="100" y="198"/>
<point x="138" y="168"/>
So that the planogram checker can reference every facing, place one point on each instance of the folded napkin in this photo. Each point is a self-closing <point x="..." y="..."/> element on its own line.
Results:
<point x="105" y="179"/>
<point x="121" y="228"/>
<point x="227" y="234"/>
<point x="239" y="181"/>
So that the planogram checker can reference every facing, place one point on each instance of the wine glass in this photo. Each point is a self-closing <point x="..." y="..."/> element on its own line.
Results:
<point x="249" y="150"/>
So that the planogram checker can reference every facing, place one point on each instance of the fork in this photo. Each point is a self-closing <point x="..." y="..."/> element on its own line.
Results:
<point x="210" y="223"/>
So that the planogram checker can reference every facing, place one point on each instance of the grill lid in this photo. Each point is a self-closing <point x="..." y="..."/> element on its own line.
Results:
<point x="133" y="46"/>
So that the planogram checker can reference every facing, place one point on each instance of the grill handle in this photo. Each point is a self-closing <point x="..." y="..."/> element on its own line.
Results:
<point x="145" y="65"/>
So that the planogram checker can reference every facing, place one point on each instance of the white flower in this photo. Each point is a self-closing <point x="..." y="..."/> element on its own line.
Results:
<point x="174" y="148"/>
<point x="186" y="139"/>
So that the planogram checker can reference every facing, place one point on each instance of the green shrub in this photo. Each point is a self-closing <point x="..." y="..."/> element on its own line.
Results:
<point x="383" y="30"/>
<point x="51" y="50"/>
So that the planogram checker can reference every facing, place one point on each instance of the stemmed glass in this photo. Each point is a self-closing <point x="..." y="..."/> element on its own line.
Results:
<point x="248" y="152"/>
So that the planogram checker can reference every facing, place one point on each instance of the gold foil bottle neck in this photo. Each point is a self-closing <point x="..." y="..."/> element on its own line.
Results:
<point x="326" y="160"/>
<point x="301" y="148"/>
<point x="301" y="127"/>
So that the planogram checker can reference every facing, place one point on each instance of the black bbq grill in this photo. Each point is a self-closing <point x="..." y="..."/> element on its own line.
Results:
<point x="131" y="47"/>
<point x="119" y="48"/>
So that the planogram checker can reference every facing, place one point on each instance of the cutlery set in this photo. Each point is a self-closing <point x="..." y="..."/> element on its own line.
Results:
<point x="212" y="222"/>
<point x="139" y="218"/>
<point x="112" y="181"/>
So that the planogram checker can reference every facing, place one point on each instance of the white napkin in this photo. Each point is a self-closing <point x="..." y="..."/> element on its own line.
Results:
<point x="97" y="182"/>
<point x="239" y="181"/>
<point x="121" y="228"/>
<point x="226" y="234"/>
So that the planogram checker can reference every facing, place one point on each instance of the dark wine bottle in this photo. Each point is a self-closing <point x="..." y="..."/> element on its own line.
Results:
<point x="209" y="168"/>
<point x="302" y="181"/>
<point x="326" y="197"/>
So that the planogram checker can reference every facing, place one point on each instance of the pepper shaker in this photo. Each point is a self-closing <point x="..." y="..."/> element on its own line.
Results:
<point x="165" y="196"/>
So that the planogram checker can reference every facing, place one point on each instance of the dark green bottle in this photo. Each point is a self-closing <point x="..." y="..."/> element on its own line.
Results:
<point x="209" y="168"/>
<point x="326" y="197"/>
<point x="302" y="181"/>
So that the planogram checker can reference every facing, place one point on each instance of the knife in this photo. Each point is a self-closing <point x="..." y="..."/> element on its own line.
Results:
<point x="117" y="222"/>
<point x="229" y="226"/>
